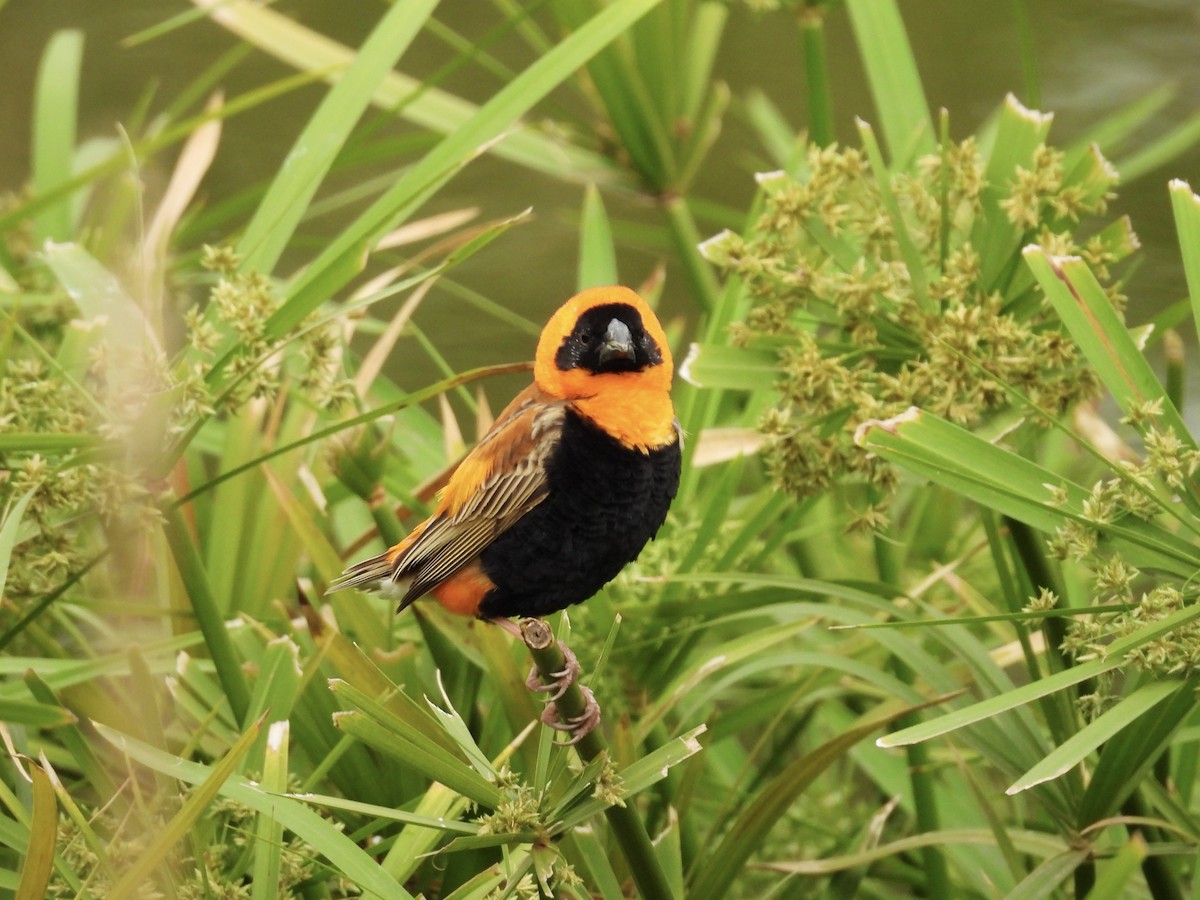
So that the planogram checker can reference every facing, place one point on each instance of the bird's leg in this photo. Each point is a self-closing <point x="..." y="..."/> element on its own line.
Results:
<point x="562" y="679"/>
<point x="582" y="712"/>
<point x="578" y="727"/>
<point x="508" y="625"/>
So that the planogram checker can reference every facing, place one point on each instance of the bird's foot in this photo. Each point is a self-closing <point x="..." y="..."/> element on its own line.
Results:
<point x="578" y="727"/>
<point x="561" y="680"/>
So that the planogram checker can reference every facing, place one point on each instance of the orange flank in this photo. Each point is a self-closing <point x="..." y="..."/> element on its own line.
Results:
<point x="463" y="591"/>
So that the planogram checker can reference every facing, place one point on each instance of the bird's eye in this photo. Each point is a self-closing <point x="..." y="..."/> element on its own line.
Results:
<point x="585" y="337"/>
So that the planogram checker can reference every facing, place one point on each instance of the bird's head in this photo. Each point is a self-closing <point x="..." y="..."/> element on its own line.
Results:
<point x="603" y="336"/>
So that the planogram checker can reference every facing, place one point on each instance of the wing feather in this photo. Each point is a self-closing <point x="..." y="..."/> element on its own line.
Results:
<point x="500" y="481"/>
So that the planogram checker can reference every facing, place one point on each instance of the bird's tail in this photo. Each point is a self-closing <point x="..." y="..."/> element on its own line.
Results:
<point x="378" y="574"/>
<point x="372" y="574"/>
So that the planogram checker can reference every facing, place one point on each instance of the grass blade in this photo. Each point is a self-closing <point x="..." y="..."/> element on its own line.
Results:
<point x="1014" y="486"/>
<point x="1095" y="325"/>
<point x="1128" y="758"/>
<point x="1027" y="693"/>
<point x="43" y="833"/>
<point x="323" y="137"/>
<point x="895" y="82"/>
<point x="723" y="866"/>
<point x="1117" y="875"/>
<point x="1019" y="133"/>
<point x="268" y="831"/>
<point x="176" y="829"/>
<point x="597" y="256"/>
<point x="55" y="109"/>
<point x="342" y="852"/>
<point x="208" y="616"/>
<point x="341" y="259"/>
<point x="419" y="103"/>
<point x="1186" y="206"/>
<point x="422" y="758"/>
<point x="8" y="532"/>
<point x="1073" y="751"/>
<point x="724" y="367"/>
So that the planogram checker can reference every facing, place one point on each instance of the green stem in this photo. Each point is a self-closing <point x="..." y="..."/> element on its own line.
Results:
<point x="208" y="616"/>
<point x="686" y="238"/>
<point x="1033" y="91"/>
<point x="626" y="825"/>
<point x="1173" y="356"/>
<point x="937" y="873"/>
<point x="1160" y="879"/>
<point x="816" y="70"/>
<point x="1029" y="549"/>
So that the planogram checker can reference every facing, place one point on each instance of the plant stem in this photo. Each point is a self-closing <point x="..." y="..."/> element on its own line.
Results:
<point x="686" y="237"/>
<point x="1173" y="356"/>
<point x="937" y="873"/>
<point x="626" y="824"/>
<point x="1033" y="91"/>
<point x="208" y="616"/>
<point x="816" y="71"/>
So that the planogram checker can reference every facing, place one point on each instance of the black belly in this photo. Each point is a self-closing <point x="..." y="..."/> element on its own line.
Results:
<point x="605" y="502"/>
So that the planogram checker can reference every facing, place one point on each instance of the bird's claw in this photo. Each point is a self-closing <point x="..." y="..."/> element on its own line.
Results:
<point x="556" y="685"/>
<point x="561" y="680"/>
<point x="579" y="726"/>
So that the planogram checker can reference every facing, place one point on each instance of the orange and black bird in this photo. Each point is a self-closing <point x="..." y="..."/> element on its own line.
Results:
<point x="571" y="482"/>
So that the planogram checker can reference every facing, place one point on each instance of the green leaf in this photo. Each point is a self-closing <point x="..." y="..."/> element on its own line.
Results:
<point x="1095" y="734"/>
<point x="31" y="712"/>
<point x="1046" y="879"/>
<point x="268" y="830"/>
<point x="1089" y="315"/>
<point x="439" y="823"/>
<point x="1128" y="758"/>
<point x="1186" y="207"/>
<point x="416" y="101"/>
<point x="181" y="823"/>
<point x="720" y="366"/>
<point x="1027" y="693"/>
<point x="39" y="442"/>
<point x="1114" y="883"/>
<point x="8" y="532"/>
<point x="43" y="834"/>
<point x="374" y="725"/>
<point x="342" y="258"/>
<point x="56" y="101"/>
<point x="895" y="82"/>
<point x="325" y="134"/>
<point x="1019" y="133"/>
<point x="723" y="866"/>
<point x="327" y="840"/>
<point x="908" y="247"/>
<point x="636" y="777"/>
<point x="277" y="684"/>
<point x="99" y="295"/>
<point x="953" y="457"/>
<point x="415" y="841"/>
<point x="1031" y="842"/>
<point x="597" y="256"/>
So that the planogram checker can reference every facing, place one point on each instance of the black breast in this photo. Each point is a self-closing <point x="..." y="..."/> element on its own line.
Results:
<point x="605" y="502"/>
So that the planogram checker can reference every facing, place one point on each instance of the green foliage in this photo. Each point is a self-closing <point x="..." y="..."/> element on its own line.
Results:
<point x="882" y="289"/>
<point x="198" y="429"/>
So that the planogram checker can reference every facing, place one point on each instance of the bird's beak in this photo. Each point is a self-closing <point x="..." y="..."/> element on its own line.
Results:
<point x="617" y="343"/>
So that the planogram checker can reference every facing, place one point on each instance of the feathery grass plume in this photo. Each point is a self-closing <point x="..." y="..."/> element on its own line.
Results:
<point x="879" y="291"/>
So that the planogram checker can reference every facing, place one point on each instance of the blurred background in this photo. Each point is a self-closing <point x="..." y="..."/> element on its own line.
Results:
<point x="1091" y="60"/>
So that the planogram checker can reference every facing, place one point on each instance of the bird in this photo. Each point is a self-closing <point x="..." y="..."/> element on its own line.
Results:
<point x="573" y="479"/>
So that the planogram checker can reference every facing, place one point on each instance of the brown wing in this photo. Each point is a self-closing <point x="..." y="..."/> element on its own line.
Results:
<point x="497" y="483"/>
